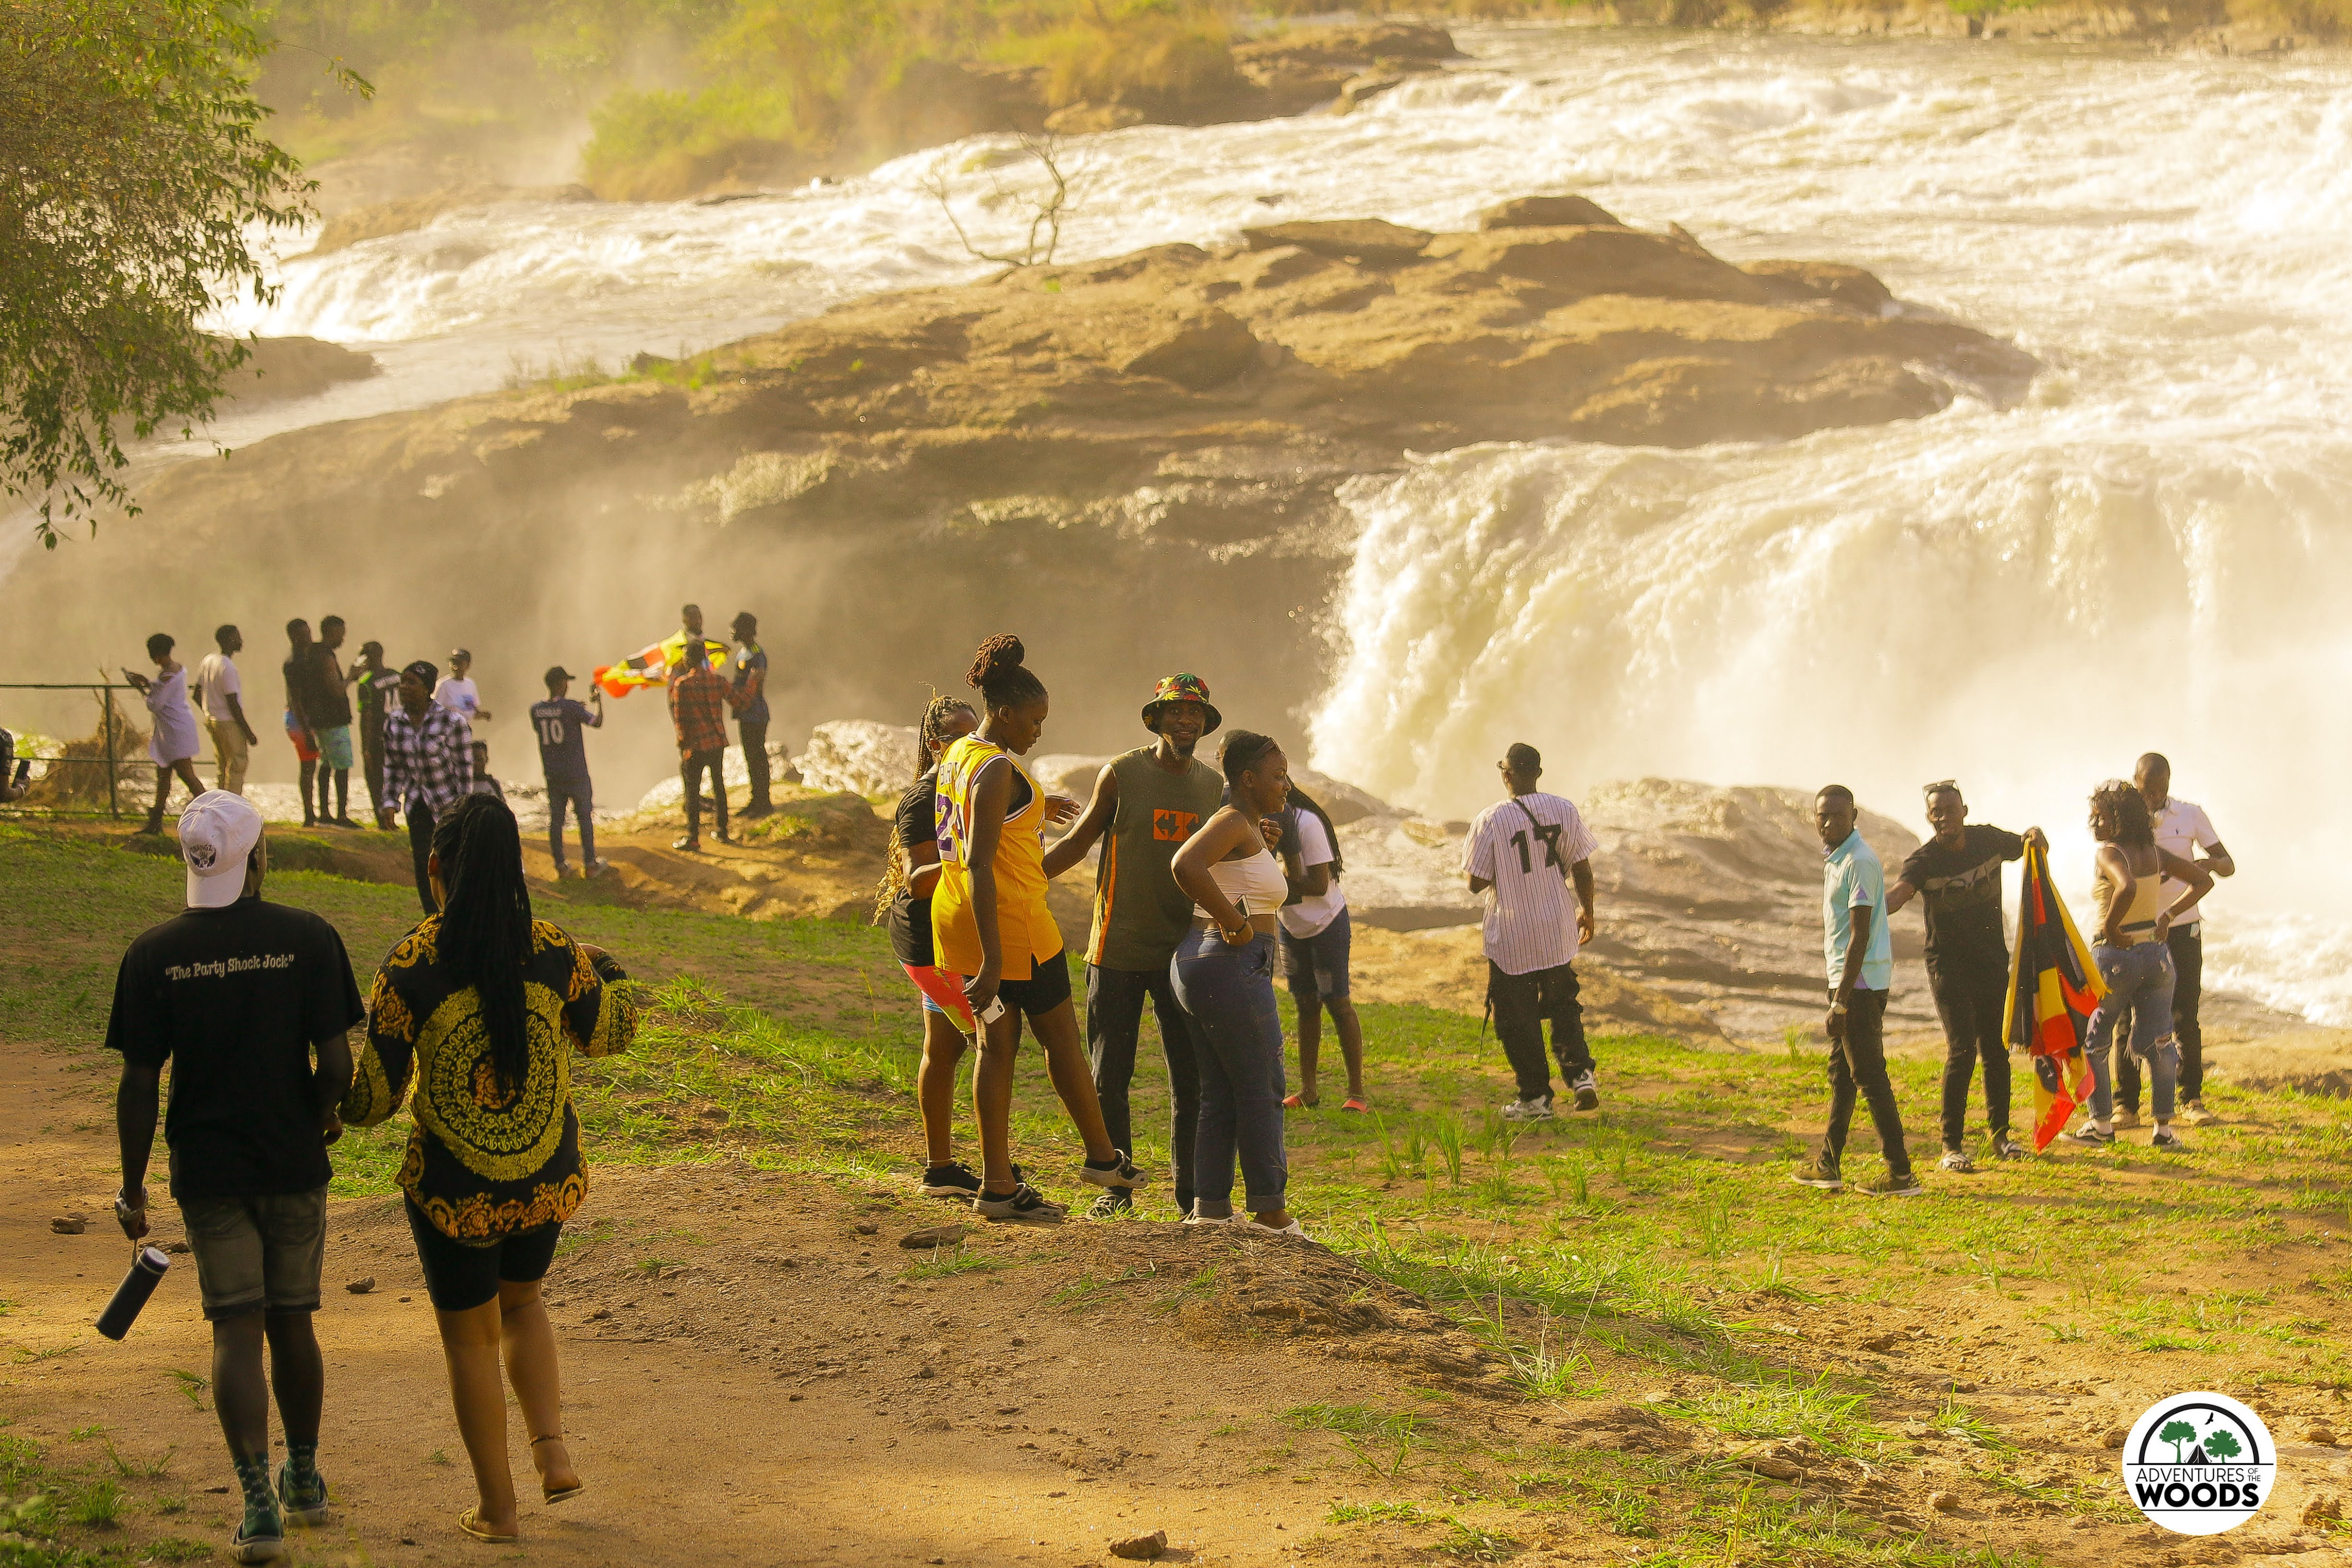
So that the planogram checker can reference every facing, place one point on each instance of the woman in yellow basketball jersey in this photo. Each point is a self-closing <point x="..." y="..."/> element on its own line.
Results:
<point x="989" y="925"/>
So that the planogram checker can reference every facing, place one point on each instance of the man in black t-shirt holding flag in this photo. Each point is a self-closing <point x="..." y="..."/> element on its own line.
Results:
<point x="1956" y="875"/>
<point x="236" y="995"/>
<point x="561" y="724"/>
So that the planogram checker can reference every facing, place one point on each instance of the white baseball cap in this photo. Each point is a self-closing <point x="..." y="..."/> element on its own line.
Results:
<point x="218" y="832"/>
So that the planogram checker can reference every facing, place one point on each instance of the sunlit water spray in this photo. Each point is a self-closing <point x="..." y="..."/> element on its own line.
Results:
<point x="2151" y="552"/>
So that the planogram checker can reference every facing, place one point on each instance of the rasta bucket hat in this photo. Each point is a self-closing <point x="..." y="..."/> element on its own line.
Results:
<point x="1185" y="688"/>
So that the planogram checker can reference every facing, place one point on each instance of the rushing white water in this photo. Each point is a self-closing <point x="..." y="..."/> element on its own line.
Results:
<point x="2153" y="552"/>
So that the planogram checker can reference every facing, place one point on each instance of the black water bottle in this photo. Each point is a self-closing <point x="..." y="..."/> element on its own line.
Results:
<point x="146" y="1273"/>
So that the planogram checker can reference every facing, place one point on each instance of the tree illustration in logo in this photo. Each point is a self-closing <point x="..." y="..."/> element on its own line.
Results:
<point x="2177" y="1433"/>
<point x="2221" y="1446"/>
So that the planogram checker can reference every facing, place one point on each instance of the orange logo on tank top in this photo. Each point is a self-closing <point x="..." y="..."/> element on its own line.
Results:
<point x="1173" y="827"/>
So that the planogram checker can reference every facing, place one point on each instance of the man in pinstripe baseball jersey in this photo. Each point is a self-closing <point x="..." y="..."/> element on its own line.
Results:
<point x="1524" y="852"/>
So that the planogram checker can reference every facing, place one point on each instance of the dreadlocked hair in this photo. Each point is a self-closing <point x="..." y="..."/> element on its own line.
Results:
<point x="2127" y="809"/>
<point x="929" y="732"/>
<point x="1305" y="802"/>
<point x="1244" y="749"/>
<point x="998" y="675"/>
<point x="484" y="937"/>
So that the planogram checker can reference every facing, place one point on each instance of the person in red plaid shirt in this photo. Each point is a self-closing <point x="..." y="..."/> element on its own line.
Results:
<point x="697" y="707"/>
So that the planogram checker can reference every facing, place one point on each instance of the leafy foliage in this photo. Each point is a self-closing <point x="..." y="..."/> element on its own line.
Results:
<point x="133" y="177"/>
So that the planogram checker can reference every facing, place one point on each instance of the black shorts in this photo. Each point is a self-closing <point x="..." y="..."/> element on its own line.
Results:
<point x="1047" y="987"/>
<point x="460" y="1278"/>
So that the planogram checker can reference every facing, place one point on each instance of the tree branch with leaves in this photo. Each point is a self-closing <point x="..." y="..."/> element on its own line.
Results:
<point x="135" y="183"/>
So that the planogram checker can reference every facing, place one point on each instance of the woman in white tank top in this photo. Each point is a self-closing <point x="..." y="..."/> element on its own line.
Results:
<point x="1223" y="974"/>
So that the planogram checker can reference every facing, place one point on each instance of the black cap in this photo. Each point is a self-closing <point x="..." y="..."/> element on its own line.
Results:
<point x="558" y="673"/>
<point x="1523" y="759"/>
<point x="425" y="669"/>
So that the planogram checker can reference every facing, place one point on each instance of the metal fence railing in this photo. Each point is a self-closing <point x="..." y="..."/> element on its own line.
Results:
<point x="68" y="785"/>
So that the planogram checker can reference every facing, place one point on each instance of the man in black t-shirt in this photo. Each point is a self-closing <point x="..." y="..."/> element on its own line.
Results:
<point x="1955" y="875"/>
<point x="236" y="994"/>
<point x="562" y="724"/>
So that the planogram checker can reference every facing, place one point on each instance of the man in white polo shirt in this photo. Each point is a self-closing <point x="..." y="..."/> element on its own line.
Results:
<point x="2182" y="829"/>
<point x="1524" y="851"/>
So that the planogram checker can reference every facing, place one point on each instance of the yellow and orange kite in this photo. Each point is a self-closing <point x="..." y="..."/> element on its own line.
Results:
<point x="651" y="665"/>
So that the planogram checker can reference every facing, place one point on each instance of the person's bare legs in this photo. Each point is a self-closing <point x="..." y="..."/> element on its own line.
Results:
<point x="163" y="794"/>
<point x="992" y="1101"/>
<point x="1310" y="1045"/>
<point x="538" y="1382"/>
<point x="470" y="1343"/>
<point x="1351" y="1043"/>
<point x="186" y="769"/>
<point x="943" y="1049"/>
<point x="1074" y="1078"/>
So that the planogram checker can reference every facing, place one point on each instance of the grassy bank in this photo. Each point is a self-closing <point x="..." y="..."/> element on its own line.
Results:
<point x="1653" y="1253"/>
<point x="677" y="95"/>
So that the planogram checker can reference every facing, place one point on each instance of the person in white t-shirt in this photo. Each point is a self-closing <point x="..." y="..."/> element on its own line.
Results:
<point x="456" y="690"/>
<point x="1315" y="936"/>
<point x="1524" y="851"/>
<point x="221" y="692"/>
<point x="2182" y="829"/>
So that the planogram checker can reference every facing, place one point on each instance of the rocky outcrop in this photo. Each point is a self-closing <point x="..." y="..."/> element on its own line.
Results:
<point x="279" y="368"/>
<point x="1134" y="462"/>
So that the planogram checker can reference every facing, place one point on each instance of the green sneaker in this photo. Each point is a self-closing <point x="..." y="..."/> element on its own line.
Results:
<point x="304" y="1505"/>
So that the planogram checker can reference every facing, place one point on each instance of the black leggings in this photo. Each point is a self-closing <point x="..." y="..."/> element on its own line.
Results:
<point x="460" y="1277"/>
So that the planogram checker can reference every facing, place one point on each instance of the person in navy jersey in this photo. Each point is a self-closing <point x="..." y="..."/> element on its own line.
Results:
<point x="561" y="724"/>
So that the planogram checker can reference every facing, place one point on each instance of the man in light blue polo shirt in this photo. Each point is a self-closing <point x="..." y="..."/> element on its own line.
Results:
<point x="1861" y="962"/>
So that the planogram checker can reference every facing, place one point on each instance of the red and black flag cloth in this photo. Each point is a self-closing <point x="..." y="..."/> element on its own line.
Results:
<point x="2053" y="988"/>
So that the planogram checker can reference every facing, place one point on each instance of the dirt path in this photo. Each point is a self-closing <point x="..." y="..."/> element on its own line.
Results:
<point x="750" y="1378"/>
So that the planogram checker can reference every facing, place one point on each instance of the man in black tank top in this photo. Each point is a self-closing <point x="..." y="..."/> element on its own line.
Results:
<point x="1148" y="802"/>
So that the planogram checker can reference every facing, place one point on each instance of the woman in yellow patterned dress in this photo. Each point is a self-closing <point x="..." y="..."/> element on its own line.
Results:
<point x="477" y="1012"/>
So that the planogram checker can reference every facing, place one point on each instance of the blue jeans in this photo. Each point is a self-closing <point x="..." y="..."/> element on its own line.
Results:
<point x="1228" y="993"/>
<point x="2140" y="981"/>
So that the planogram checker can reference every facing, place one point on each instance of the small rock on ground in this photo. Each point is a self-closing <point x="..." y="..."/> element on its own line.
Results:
<point x="1140" y="1548"/>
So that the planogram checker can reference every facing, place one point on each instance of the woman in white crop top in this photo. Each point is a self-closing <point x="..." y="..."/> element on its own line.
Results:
<point x="1223" y="974"/>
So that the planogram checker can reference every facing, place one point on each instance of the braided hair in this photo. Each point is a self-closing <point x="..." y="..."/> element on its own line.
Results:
<point x="998" y="675"/>
<point x="484" y="938"/>
<point x="1305" y="803"/>
<point x="930" y="731"/>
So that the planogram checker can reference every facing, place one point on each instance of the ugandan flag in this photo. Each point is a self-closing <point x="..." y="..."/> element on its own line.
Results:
<point x="2053" y="988"/>
<point x="651" y="665"/>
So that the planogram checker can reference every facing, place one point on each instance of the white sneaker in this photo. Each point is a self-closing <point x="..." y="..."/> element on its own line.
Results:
<point x="2125" y="1117"/>
<point x="1245" y="1221"/>
<point x="2196" y="1115"/>
<point x="1538" y="1110"/>
<point x="1957" y="1162"/>
<point x="1588" y="1091"/>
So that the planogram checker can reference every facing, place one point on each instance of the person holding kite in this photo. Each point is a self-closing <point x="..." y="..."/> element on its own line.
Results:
<point x="655" y="663"/>
<point x="2133" y="958"/>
